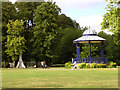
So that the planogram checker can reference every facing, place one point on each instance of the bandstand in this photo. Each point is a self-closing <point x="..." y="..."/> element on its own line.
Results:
<point x="90" y="36"/>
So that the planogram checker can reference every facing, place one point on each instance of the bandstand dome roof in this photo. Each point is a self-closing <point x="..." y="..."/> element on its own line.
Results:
<point x="89" y="35"/>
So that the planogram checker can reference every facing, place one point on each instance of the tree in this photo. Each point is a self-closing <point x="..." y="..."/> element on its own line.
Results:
<point x="111" y="20"/>
<point x="45" y="30"/>
<point x="65" y="22"/>
<point x="85" y="51"/>
<point x="15" y="41"/>
<point x="26" y="12"/>
<point x="111" y="50"/>
<point x="66" y="49"/>
<point x="8" y="13"/>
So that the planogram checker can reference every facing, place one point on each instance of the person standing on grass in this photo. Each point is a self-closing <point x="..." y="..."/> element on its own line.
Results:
<point x="72" y="60"/>
<point x="75" y="65"/>
<point x="43" y="64"/>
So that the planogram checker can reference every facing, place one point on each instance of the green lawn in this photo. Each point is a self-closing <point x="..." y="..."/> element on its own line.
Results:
<point x="59" y="78"/>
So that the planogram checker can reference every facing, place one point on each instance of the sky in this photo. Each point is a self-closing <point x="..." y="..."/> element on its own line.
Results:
<point x="86" y="12"/>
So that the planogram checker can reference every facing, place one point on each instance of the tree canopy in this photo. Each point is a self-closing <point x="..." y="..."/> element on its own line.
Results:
<point x="15" y="40"/>
<point x="38" y="31"/>
<point x="45" y="29"/>
<point x="111" y="20"/>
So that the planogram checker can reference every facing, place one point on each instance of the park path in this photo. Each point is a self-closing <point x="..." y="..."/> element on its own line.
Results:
<point x="60" y="69"/>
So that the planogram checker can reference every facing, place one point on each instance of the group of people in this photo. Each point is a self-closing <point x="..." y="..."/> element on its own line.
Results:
<point x="43" y="63"/>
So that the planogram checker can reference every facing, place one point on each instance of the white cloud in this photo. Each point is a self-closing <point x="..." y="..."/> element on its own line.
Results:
<point x="78" y="3"/>
<point x="92" y="22"/>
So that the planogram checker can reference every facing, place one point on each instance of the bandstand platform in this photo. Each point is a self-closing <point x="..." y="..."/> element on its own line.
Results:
<point x="90" y="36"/>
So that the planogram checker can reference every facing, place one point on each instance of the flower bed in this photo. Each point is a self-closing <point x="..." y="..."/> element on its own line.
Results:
<point x="92" y="65"/>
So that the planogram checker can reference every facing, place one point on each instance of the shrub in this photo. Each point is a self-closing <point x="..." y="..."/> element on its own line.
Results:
<point x="109" y="66"/>
<point x="2" y="64"/>
<point x="87" y="65"/>
<point x="102" y="65"/>
<point x="117" y="66"/>
<point x="78" y="65"/>
<point x="112" y="64"/>
<point x="82" y="65"/>
<point x="93" y="65"/>
<point x="68" y="65"/>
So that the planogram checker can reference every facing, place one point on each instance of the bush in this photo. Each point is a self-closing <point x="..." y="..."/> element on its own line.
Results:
<point x="117" y="66"/>
<point x="93" y="65"/>
<point x="102" y="65"/>
<point x="78" y="65"/>
<point x="2" y="64"/>
<point x="109" y="66"/>
<point x="87" y="65"/>
<point x="68" y="65"/>
<point x="112" y="64"/>
<point x="82" y="65"/>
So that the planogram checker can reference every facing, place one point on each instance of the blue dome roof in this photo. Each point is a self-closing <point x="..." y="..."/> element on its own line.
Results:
<point x="89" y="35"/>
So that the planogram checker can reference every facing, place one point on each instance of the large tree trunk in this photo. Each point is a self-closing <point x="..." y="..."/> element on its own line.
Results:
<point x="20" y="62"/>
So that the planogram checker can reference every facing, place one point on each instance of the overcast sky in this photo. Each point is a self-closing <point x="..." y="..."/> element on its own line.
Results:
<point x="85" y="12"/>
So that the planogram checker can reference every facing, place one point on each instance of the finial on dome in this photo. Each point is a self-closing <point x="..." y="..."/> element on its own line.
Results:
<point x="89" y="32"/>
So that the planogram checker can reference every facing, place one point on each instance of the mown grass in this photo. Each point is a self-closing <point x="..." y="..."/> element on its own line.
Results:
<point x="59" y="78"/>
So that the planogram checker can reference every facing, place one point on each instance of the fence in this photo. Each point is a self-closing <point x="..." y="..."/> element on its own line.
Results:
<point x="87" y="60"/>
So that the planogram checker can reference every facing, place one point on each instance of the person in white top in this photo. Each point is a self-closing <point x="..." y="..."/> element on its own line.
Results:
<point x="75" y="65"/>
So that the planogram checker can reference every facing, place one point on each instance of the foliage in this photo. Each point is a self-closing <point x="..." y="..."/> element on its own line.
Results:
<point x="45" y="30"/>
<point x="66" y="22"/>
<point x="87" y="65"/>
<point x="26" y="11"/>
<point x="68" y="65"/>
<point x="111" y="21"/>
<point x="5" y="64"/>
<point x="8" y="13"/>
<point x="111" y="53"/>
<point x="93" y="65"/>
<point x="82" y="65"/>
<point x="111" y="18"/>
<point x="112" y="64"/>
<point x="102" y="65"/>
<point x="53" y="34"/>
<point x="85" y="51"/>
<point x="66" y="49"/>
<point x="15" y="40"/>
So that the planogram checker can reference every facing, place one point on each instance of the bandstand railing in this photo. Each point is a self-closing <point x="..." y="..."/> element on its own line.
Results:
<point x="87" y="60"/>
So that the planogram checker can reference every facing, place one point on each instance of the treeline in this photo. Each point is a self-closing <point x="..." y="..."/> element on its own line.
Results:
<point x="37" y="31"/>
